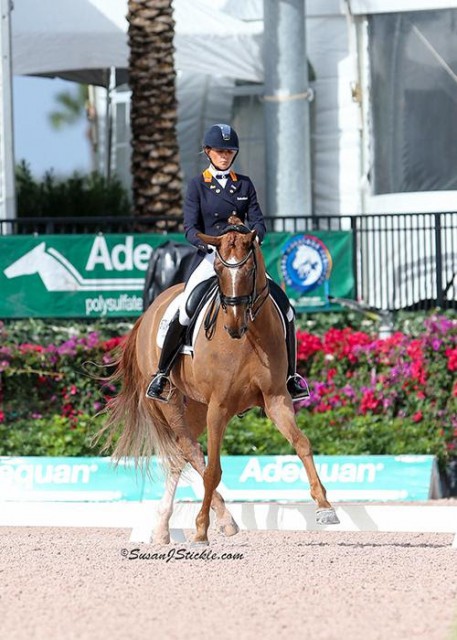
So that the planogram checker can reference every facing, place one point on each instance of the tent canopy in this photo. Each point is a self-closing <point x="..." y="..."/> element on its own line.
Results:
<point x="367" y="7"/>
<point x="80" y="39"/>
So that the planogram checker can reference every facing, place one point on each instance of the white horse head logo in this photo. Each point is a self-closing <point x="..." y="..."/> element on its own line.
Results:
<point x="55" y="274"/>
<point x="58" y="274"/>
<point x="308" y="264"/>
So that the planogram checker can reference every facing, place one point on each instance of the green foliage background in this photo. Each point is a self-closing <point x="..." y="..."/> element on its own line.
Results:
<point x="89" y="195"/>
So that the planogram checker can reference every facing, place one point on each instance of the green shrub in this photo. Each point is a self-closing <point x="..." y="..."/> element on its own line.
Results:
<point x="333" y="433"/>
<point x="78" y="195"/>
<point x="54" y="435"/>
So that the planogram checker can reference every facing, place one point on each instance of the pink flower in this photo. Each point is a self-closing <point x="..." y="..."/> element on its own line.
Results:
<point x="369" y="401"/>
<point x="112" y="343"/>
<point x="452" y="359"/>
<point x="307" y="345"/>
<point x="26" y="347"/>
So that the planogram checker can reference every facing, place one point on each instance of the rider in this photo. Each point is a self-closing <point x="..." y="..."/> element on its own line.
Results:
<point x="212" y="197"/>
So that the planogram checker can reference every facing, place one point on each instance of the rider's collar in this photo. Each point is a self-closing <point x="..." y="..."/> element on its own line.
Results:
<point x="210" y="173"/>
<point x="221" y="175"/>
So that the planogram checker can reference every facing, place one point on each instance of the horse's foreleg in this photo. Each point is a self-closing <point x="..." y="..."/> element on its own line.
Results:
<point x="224" y="519"/>
<point x="217" y="421"/>
<point x="165" y="509"/>
<point x="279" y="410"/>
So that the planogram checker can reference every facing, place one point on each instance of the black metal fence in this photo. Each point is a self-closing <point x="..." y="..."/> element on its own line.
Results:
<point x="400" y="261"/>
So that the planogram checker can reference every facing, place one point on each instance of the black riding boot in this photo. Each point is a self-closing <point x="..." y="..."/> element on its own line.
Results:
<point x="296" y="390"/>
<point x="170" y="350"/>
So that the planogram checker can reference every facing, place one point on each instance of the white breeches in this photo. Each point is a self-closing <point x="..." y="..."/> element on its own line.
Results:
<point x="204" y="271"/>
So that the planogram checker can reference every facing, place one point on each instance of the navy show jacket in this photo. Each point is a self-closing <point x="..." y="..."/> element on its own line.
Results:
<point x="208" y="206"/>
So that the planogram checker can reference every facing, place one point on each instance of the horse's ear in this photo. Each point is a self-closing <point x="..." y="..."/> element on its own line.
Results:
<point x="252" y="236"/>
<point x="212" y="240"/>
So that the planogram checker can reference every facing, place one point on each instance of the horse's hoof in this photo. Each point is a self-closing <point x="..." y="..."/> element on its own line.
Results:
<point x="229" y="529"/>
<point x="200" y="543"/>
<point x="161" y="538"/>
<point x="327" y="516"/>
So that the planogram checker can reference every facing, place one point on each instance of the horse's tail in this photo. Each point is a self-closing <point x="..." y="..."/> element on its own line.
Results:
<point x="135" y="426"/>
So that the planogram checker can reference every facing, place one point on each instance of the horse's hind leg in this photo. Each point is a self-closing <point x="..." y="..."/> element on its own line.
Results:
<point x="165" y="509"/>
<point x="280" y="411"/>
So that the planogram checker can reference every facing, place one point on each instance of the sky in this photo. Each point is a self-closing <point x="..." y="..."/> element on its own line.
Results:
<point x="64" y="151"/>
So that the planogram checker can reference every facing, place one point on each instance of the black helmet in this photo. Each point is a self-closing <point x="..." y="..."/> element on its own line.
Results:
<point x="221" y="136"/>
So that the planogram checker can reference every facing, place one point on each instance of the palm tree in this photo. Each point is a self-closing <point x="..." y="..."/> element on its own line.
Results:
<point x="156" y="178"/>
<point x="71" y="108"/>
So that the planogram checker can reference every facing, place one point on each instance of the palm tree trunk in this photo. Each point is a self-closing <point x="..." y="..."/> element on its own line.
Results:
<point x="156" y="177"/>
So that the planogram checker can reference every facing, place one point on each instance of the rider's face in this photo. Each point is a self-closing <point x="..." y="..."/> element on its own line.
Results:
<point x="220" y="158"/>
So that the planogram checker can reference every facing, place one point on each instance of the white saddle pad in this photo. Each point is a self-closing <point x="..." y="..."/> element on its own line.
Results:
<point x="168" y="316"/>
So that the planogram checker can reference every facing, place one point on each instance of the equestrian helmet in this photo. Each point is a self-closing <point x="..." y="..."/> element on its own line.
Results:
<point x="221" y="136"/>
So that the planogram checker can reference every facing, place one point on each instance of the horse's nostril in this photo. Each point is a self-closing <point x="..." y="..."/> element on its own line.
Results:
<point x="236" y="334"/>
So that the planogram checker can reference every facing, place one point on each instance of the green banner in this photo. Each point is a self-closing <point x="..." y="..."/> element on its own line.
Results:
<point x="312" y="266"/>
<point x="100" y="275"/>
<point x="85" y="276"/>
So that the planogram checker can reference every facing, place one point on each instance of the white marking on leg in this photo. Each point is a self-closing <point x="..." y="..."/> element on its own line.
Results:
<point x="165" y="510"/>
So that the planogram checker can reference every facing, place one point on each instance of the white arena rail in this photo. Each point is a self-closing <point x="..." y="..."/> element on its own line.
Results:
<point x="140" y="517"/>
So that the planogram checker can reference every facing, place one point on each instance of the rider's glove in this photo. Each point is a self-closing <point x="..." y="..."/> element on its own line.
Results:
<point x="204" y="248"/>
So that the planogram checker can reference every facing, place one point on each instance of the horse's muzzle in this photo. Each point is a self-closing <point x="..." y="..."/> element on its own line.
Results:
<point x="236" y="332"/>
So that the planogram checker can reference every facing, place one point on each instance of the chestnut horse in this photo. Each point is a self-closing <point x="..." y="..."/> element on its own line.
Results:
<point x="238" y="363"/>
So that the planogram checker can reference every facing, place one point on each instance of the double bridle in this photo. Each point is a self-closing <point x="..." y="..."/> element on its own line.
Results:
<point x="249" y="299"/>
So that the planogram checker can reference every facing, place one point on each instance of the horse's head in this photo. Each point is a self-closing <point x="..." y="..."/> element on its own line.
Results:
<point x="28" y="263"/>
<point x="236" y="266"/>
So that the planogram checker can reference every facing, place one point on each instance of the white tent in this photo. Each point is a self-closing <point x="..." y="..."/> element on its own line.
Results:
<point x="80" y="39"/>
<point x="218" y="44"/>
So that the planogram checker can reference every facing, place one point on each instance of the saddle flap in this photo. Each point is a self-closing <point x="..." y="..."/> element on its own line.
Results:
<point x="198" y="307"/>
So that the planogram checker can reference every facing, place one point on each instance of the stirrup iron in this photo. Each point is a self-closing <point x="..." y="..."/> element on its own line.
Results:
<point x="159" y="397"/>
<point x="300" y="381"/>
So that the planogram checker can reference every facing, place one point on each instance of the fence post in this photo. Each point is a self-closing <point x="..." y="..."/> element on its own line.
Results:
<point x="439" y="262"/>
<point x="355" y="260"/>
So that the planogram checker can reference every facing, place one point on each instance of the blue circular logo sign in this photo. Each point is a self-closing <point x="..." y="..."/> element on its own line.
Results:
<point x="306" y="263"/>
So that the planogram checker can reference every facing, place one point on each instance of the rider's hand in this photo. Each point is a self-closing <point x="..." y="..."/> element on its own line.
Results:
<point x="204" y="248"/>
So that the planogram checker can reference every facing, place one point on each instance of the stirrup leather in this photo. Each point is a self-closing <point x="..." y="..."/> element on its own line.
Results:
<point x="158" y="379"/>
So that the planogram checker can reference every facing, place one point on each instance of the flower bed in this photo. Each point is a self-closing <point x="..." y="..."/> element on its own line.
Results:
<point x="392" y="396"/>
<point x="400" y="377"/>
